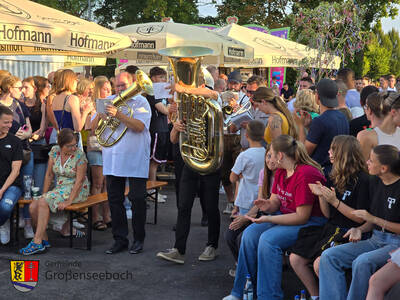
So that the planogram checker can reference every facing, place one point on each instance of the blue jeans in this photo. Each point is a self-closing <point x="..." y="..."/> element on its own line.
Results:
<point x="260" y="256"/>
<point x="7" y="203"/>
<point x="364" y="257"/>
<point x="27" y="170"/>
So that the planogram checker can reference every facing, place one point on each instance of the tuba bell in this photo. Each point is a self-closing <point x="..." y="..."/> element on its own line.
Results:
<point x="201" y="144"/>
<point x="110" y="131"/>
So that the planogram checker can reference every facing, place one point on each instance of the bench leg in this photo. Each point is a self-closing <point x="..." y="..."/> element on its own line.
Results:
<point x="89" y="230"/>
<point x="71" y="235"/>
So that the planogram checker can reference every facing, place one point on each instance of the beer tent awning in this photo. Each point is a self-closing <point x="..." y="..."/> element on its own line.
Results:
<point x="29" y="28"/>
<point x="272" y="51"/>
<point x="149" y="38"/>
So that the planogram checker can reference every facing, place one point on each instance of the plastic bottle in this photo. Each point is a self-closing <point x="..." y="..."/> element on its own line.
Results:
<point x="248" y="289"/>
<point x="303" y="295"/>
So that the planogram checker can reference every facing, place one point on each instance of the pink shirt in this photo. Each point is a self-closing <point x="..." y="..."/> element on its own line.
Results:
<point x="294" y="191"/>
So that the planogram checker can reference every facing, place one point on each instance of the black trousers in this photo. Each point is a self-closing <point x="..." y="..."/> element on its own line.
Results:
<point x="116" y="197"/>
<point x="233" y="238"/>
<point x="190" y="180"/>
<point x="178" y="167"/>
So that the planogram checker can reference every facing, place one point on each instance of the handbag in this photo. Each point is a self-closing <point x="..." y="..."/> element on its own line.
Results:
<point x="41" y="152"/>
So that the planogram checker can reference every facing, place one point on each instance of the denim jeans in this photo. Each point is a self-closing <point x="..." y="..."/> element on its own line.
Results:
<point x="27" y="170"/>
<point x="260" y="256"/>
<point x="8" y="201"/>
<point x="364" y="257"/>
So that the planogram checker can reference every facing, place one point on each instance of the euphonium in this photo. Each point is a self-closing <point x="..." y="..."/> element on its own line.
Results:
<point x="110" y="131"/>
<point x="201" y="144"/>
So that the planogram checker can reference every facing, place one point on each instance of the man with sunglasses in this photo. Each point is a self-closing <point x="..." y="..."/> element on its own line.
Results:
<point x="128" y="159"/>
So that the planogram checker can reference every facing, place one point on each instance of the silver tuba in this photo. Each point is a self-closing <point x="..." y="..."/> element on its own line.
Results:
<point x="202" y="144"/>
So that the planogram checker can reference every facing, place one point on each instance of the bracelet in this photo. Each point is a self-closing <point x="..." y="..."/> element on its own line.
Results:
<point x="338" y="204"/>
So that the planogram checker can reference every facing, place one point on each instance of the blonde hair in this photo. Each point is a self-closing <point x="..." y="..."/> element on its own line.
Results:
<point x="294" y="150"/>
<point x="82" y="85"/>
<point x="65" y="81"/>
<point x="3" y="74"/>
<point x="348" y="161"/>
<point x="305" y="100"/>
<point x="56" y="79"/>
<point x="99" y="82"/>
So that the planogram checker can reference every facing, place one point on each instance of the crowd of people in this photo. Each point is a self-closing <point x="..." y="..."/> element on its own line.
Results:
<point x="312" y="175"/>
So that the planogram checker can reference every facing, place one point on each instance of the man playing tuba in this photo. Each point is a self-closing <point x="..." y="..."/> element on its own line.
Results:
<point x="128" y="159"/>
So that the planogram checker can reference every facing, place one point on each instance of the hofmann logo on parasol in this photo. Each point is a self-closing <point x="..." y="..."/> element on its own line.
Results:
<point x="89" y="43"/>
<point x="24" y="274"/>
<point x="17" y="33"/>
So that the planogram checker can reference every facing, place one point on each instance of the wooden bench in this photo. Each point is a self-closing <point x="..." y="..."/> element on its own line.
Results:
<point x="83" y="210"/>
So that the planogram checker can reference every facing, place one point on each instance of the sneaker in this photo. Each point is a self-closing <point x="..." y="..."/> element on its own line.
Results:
<point x="28" y="232"/>
<point x="228" y="209"/>
<point x="161" y="198"/>
<point x="5" y="232"/>
<point x="230" y="297"/>
<point x="78" y="225"/>
<point x="210" y="253"/>
<point x="172" y="255"/>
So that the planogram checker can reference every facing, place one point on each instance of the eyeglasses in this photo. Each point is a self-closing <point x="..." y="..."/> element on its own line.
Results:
<point x="121" y="85"/>
<point x="18" y="87"/>
<point x="71" y="146"/>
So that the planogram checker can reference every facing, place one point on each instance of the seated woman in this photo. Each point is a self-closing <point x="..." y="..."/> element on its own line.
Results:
<point x="384" y="279"/>
<point x="350" y="181"/>
<point x="383" y="219"/>
<point x="68" y="163"/>
<point x="293" y="206"/>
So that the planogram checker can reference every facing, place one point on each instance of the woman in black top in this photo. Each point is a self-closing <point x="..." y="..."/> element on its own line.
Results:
<point x="349" y="191"/>
<point x="383" y="219"/>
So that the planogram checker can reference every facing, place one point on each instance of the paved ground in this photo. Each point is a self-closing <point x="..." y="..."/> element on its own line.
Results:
<point x="152" y="278"/>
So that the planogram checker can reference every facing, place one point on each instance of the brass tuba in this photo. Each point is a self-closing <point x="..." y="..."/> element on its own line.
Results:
<point x="110" y="131"/>
<point x="201" y="144"/>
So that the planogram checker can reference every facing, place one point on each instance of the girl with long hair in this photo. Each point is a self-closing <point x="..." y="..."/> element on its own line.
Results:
<point x="280" y="120"/>
<point x="101" y="212"/>
<point x="291" y="206"/>
<point x="348" y="191"/>
<point x="382" y="218"/>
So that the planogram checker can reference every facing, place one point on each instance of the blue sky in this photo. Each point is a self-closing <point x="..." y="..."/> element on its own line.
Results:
<point x="387" y="23"/>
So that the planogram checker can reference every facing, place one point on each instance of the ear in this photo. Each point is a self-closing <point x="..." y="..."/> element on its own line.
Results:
<point x="384" y="169"/>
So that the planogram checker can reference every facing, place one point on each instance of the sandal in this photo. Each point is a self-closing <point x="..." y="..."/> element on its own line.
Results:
<point x="32" y="248"/>
<point x="109" y="225"/>
<point x="99" y="226"/>
<point x="76" y="233"/>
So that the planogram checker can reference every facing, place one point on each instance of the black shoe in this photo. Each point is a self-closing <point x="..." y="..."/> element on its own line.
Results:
<point x="204" y="221"/>
<point x="116" y="248"/>
<point x="136" y="248"/>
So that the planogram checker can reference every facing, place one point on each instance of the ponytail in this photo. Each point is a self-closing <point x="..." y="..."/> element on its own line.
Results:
<point x="282" y="107"/>
<point x="389" y="155"/>
<point x="295" y="150"/>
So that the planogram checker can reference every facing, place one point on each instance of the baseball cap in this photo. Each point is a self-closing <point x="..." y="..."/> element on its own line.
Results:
<point x="327" y="92"/>
<point x="235" y="76"/>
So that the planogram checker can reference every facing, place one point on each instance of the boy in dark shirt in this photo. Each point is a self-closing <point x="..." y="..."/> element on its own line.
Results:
<point x="324" y="128"/>
<point x="10" y="165"/>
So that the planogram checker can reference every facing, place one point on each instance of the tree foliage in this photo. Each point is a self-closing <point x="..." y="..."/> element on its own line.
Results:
<point x="124" y="12"/>
<point x="78" y="8"/>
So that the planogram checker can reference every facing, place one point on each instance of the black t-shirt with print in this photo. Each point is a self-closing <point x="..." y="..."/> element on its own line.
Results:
<point x="356" y="195"/>
<point x="385" y="200"/>
<point x="10" y="150"/>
